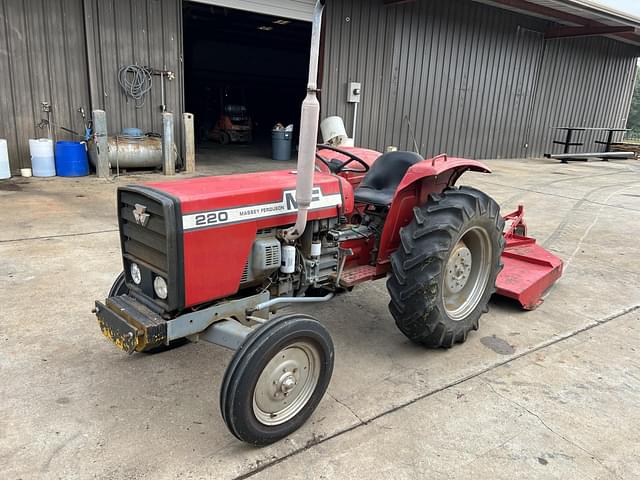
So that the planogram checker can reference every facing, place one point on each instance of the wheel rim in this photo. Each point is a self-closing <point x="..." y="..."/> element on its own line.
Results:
<point x="287" y="383"/>
<point x="467" y="272"/>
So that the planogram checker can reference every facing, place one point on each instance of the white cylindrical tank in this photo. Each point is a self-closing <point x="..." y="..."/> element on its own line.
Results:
<point x="333" y="131"/>
<point x="288" y="259"/>
<point x="316" y="249"/>
<point x="5" y="171"/>
<point x="43" y="161"/>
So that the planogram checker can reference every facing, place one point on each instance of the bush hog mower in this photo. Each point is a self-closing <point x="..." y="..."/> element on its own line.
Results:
<point x="213" y="258"/>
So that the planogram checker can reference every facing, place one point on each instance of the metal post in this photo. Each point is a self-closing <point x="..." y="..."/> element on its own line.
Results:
<point x="168" y="156"/>
<point x="102" y="143"/>
<point x="567" y="142"/>
<point x="609" y="141"/>
<point x="189" y="143"/>
<point x="355" y="116"/>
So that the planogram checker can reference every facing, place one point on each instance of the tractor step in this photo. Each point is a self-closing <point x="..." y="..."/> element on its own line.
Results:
<point x="529" y="270"/>
<point x="352" y="276"/>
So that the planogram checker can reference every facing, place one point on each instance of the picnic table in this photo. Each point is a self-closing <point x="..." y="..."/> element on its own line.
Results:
<point x="570" y="142"/>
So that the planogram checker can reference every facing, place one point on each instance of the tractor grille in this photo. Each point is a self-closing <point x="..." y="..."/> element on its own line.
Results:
<point x="144" y="244"/>
<point x="153" y="240"/>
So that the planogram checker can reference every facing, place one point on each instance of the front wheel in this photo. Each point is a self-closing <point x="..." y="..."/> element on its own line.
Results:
<point x="276" y="379"/>
<point x="445" y="270"/>
<point x="119" y="286"/>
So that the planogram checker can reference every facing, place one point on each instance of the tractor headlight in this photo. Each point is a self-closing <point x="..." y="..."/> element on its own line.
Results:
<point x="136" y="275"/>
<point x="160" y="287"/>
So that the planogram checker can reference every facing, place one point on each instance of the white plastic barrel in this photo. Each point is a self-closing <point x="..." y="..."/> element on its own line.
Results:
<point x="42" y="159"/>
<point x="5" y="171"/>
<point x="333" y="130"/>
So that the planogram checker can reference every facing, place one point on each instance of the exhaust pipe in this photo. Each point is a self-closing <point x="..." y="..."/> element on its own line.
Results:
<point x="308" y="132"/>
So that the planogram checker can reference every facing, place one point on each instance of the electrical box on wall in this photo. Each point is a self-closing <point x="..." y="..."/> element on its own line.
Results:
<point x="353" y="92"/>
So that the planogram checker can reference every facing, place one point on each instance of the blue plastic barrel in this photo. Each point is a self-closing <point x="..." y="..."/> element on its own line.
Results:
<point x="71" y="159"/>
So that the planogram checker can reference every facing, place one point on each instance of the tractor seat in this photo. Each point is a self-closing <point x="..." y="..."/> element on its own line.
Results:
<point x="380" y="182"/>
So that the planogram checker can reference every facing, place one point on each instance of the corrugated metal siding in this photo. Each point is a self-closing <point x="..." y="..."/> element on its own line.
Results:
<point x="464" y="75"/>
<point x="42" y="58"/>
<point x="296" y="9"/>
<point x="146" y="32"/>
<point x="583" y="82"/>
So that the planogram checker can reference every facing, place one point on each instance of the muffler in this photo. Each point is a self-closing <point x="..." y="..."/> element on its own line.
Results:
<point x="309" y="118"/>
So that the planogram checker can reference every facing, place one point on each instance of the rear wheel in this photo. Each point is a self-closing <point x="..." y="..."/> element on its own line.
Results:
<point x="445" y="270"/>
<point x="276" y="379"/>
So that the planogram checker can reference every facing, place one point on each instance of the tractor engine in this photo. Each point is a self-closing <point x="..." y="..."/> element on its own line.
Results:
<point x="291" y="270"/>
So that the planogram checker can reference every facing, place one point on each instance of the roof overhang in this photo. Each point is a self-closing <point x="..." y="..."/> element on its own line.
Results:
<point x="577" y="18"/>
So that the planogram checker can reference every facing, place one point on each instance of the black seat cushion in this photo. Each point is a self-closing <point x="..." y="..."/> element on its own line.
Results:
<point x="381" y="181"/>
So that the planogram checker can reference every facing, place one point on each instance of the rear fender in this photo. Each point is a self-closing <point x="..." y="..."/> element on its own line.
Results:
<point x="425" y="178"/>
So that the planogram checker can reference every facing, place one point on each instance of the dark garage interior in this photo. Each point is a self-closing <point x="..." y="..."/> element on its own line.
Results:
<point x="242" y="69"/>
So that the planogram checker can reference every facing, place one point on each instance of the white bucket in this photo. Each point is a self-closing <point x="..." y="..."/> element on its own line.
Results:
<point x="43" y="162"/>
<point x="333" y="131"/>
<point x="5" y="171"/>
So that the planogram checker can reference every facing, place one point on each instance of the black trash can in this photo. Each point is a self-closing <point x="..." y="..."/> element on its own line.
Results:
<point x="281" y="144"/>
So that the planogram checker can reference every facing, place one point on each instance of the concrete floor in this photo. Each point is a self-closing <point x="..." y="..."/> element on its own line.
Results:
<point x="552" y="393"/>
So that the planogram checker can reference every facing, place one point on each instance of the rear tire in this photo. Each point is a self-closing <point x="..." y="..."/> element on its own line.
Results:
<point x="276" y="379"/>
<point x="444" y="272"/>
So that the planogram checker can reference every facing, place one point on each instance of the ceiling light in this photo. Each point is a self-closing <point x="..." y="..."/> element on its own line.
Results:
<point x="265" y="28"/>
<point x="281" y="21"/>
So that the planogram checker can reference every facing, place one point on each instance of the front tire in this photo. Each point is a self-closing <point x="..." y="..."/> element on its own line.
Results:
<point x="444" y="272"/>
<point x="119" y="286"/>
<point x="276" y="379"/>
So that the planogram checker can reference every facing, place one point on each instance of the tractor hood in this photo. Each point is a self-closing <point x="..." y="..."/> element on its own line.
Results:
<point x="218" y="218"/>
<point x="256" y="197"/>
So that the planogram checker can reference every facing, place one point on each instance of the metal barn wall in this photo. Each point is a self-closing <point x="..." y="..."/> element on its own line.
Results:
<point x="583" y="82"/>
<point x="146" y="32"/>
<point x="42" y="58"/>
<point x="472" y="80"/>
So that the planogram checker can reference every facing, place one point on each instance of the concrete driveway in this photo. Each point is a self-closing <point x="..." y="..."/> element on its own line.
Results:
<point x="553" y="393"/>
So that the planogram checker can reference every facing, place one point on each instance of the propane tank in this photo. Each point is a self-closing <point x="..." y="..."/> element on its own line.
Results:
<point x="288" y="259"/>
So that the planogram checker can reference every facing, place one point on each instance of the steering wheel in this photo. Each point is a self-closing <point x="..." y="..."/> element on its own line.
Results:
<point x="335" y="166"/>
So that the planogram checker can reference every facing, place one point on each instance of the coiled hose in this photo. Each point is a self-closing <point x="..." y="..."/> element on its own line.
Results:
<point x="136" y="82"/>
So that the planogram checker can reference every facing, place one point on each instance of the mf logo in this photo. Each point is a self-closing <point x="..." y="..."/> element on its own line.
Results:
<point x="140" y="214"/>
<point x="290" y="202"/>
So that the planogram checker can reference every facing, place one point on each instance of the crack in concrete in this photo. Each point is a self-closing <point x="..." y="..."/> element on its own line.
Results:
<point x="490" y="450"/>
<point x="593" y="456"/>
<point x="543" y="345"/>
<point x="591" y="225"/>
<point x="47" y="237"/>
<point x="347" y="407"/>
<point x="567" y="197"/>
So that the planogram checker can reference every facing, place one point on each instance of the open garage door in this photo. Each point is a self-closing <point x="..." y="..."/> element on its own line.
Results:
<point x="295" y="9"/>
<point x="245" y="72"/>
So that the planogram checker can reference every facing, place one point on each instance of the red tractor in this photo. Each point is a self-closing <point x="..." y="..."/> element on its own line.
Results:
<point x="213" y="258"/>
